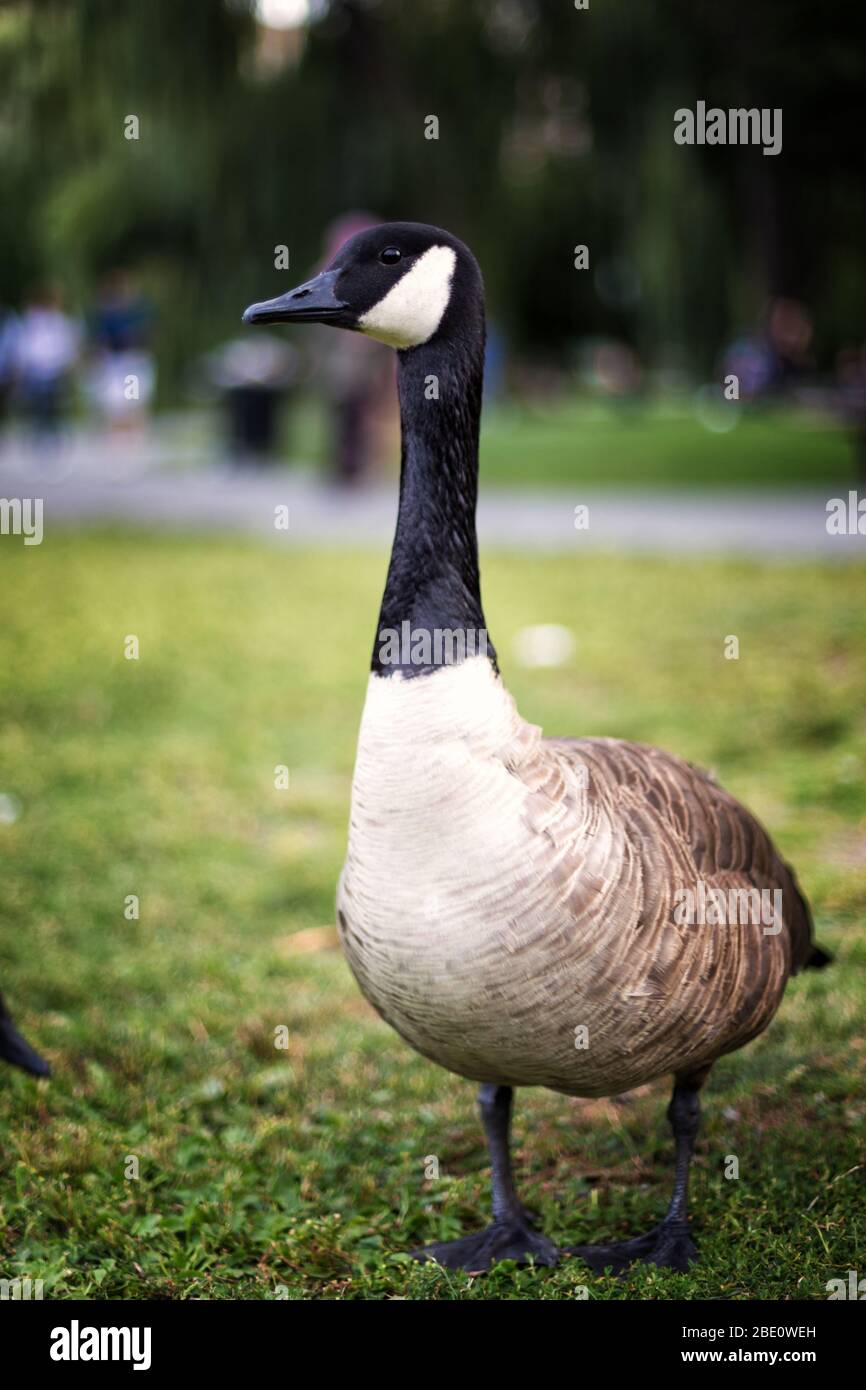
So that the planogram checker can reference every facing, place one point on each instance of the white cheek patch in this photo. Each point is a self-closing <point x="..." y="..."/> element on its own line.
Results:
<point x="410" y="313"/>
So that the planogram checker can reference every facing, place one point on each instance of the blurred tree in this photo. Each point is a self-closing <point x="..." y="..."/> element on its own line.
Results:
<point x="555" y="129"/>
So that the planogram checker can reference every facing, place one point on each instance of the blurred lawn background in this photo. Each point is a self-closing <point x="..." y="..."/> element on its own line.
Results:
<point x="303" y="1169"/>
<point x="581" y="442"/>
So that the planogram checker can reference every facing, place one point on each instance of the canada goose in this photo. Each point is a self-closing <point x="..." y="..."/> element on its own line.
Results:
<point x="509" y="903"/>
<point x="14" y="1049"/>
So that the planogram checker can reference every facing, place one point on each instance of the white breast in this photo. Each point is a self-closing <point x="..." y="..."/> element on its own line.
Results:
<point x="443" y="913"/>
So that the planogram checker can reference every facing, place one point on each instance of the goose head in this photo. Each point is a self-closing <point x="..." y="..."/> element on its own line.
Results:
<point x="404" y="283"/>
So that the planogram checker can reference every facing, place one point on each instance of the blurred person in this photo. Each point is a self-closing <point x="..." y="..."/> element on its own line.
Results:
<point x="45" y="346"/>
<point x="253" y="380"/>
<point x="750" y="359"/>
<point x="790" y="330"/>
<point x="851" y="396"/>
<point x="8" y="335"/>
<point x="495" y="356"/>
<point x="122" y="374"/>
<point x="776" y="360"/>
<point x="357" y="374"/>
<point x="618" y="375"/>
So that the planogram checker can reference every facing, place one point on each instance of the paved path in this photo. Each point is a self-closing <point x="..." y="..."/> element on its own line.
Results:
<point x="782" y="525"/>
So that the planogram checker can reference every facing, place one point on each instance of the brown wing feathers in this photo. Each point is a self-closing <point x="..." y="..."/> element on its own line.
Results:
<point x="663" y="797"/>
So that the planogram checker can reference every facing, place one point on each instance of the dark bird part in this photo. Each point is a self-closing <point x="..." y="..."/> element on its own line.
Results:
<point x="14" y="1049"/>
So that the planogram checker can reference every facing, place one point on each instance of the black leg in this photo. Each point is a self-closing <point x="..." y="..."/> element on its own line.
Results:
<point x="670" y="1243"/>
<point x="684" y="1114"/>
<point x="510" y="1236"/>
<point x="496" y="1104"/>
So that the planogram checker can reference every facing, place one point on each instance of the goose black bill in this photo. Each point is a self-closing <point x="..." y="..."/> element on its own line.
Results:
<point x="313" y="302"/>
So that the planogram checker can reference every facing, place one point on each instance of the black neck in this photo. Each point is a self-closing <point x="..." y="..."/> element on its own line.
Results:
<point x="433" y="586"/>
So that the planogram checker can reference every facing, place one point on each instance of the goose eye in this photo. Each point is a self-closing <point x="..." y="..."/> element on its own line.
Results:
<point x="390" y="256"/>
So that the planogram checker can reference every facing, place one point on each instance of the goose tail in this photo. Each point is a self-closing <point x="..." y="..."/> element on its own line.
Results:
<point x="808" y="955"/>
<point x="818" y="959"/>
<point x="14" y="1049"/>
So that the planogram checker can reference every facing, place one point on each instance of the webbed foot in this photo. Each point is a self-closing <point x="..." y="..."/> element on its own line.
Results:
<point x="668" y="1245"/>
<point x="502" y="1240"/>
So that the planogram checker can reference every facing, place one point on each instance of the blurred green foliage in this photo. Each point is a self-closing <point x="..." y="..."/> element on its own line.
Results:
<point x="555" y="129"/>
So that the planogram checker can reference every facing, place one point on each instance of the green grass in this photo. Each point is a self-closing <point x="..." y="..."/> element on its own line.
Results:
<point x="559" y="444"/>
<point x="302" y="1170"/>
